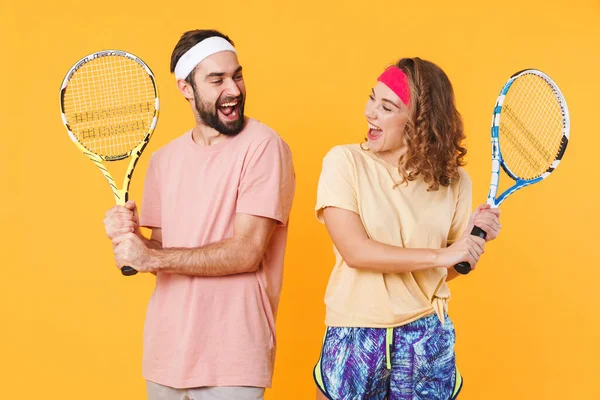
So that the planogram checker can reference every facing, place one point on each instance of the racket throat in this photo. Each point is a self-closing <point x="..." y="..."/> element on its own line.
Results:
<point x="121" y="196"/>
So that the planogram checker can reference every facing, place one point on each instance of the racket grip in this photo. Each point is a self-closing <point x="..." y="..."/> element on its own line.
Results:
<point x="128" y="271"/>
<point x="464" y="267"/>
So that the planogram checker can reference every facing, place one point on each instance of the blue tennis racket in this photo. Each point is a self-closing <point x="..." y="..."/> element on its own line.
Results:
<point x="530" y="132"/>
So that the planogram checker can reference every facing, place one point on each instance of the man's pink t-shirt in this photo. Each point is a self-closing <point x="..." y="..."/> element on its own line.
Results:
<point x="216" y="331"/>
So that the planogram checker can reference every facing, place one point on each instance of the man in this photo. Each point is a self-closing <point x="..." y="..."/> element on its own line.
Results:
<point x="217" y="200"/>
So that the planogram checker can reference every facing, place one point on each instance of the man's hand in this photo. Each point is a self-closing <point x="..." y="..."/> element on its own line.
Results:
<point x="120" y="220"/>
<point x="130" y="250"/>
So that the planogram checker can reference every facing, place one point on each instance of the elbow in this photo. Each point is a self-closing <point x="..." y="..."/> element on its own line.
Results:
<point x="252" y="262"/>
<point x="353" y="260"/>
<point x="356" y="253"/>
<point x="250" y="267"/>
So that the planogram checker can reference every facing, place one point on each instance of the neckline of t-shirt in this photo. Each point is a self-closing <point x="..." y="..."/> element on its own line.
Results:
<point x="213" y="147"/>
<point x="381" y="160"/>
<point x="386" y="164"/>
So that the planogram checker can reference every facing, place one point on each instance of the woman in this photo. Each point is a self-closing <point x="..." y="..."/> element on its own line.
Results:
<point x="398" y="209"/>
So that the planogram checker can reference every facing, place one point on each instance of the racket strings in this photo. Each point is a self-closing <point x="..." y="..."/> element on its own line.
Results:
<point x="530" y="138"/>
<point x="510" y="130"/>
<point x="110" y="104"/>
<point x="527" y="161"/>
<point x="102" y="114"/>
<point x="531" y="127"/>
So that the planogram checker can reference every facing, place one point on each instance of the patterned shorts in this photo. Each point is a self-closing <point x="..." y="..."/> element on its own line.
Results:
<point x="411" y="362"/>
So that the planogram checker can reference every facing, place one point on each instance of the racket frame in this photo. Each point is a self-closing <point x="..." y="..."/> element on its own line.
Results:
<point x="498" y="160"/>
<point x="121" y="194"/>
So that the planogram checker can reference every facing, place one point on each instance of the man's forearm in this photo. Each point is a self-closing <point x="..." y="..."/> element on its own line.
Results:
<point x="227" y="257"/>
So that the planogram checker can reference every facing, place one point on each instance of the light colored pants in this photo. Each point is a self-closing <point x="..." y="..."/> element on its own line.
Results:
<point x="160" y="392"/>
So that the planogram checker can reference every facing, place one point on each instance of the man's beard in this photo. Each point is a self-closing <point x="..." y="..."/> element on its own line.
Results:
<point x="209" y="113"/>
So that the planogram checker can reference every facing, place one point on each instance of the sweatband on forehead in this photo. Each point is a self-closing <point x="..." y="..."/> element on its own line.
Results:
<point x="199" y="52"/>
<point x="396" y="79"/>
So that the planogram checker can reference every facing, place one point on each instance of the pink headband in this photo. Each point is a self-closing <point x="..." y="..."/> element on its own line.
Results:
<point x="395" y="79"/>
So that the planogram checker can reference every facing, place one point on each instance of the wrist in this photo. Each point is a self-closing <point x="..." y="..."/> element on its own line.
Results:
<point x="155" y="263"/>
<point x="436" y="257"/>
<point x="439" y="260"/>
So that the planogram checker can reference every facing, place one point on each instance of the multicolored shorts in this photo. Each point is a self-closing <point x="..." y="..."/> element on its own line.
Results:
<point x="411" y="362"/>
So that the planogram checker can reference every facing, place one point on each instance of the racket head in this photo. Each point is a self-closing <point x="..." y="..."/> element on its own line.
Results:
<point x="530" y="131"/>
<point x="109" y="104"/>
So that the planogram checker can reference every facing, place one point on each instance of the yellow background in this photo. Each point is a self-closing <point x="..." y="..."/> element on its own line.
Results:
<point x="527" y="321"/>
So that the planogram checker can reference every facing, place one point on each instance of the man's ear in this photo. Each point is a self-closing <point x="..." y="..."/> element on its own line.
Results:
<point x="185" y="89"/>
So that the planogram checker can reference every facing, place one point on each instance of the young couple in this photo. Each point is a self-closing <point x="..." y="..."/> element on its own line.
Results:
<point x="217" y="200"/>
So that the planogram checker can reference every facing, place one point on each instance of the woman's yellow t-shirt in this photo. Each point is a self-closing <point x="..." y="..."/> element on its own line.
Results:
<point x="406" y="216"/>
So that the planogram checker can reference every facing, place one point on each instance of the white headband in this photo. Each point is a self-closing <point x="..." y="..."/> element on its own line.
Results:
<point x="199" y="52"/>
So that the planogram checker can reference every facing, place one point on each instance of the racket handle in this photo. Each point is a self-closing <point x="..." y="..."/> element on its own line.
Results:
<point x="464" y="267"/>
<point x="128" y="271"/>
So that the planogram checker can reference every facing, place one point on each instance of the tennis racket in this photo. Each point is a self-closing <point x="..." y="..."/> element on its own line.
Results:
<point x="530" y="132"/>
<point x="109" y="105"/>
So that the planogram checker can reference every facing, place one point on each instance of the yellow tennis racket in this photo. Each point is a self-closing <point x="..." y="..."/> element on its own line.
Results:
<point x="109" y="105"/>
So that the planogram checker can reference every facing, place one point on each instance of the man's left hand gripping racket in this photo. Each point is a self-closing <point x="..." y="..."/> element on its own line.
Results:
<point x="530" y="132"/>
<point x="109" y="105"/>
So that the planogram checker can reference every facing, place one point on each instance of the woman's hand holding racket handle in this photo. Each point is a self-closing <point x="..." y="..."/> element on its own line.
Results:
<point x="464" y="267"/>
<point x="467" y="248"/>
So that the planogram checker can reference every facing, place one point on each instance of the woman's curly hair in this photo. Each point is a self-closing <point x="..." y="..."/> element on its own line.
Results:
<point x="434" y="131"/>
